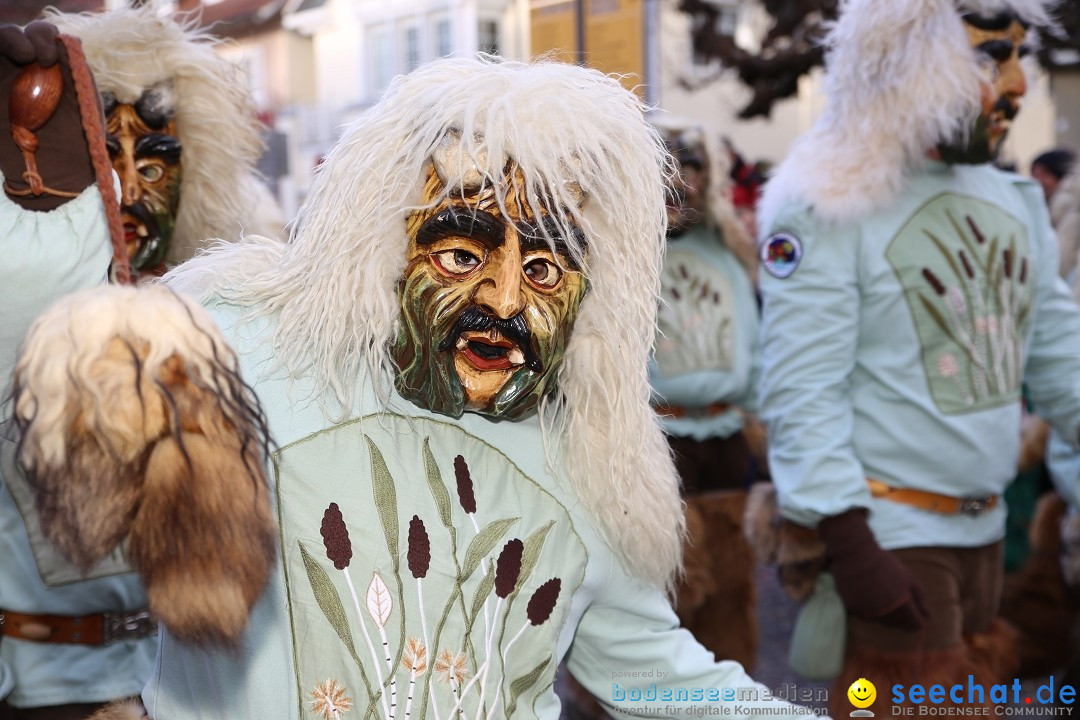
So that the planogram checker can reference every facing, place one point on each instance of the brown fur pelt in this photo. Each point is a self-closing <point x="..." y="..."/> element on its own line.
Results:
<point x="989" y="657"/>
<point x="124" y="710"/>
<point x="1034" y="432"/>
<point x="716" y="599"/>
<point x="136" y="426"/>
<point x="1036" y="599"/>
<point x="796" y="551"/>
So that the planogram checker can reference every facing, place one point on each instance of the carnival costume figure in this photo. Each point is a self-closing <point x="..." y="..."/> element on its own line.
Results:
<point x="704" y="379"/>
<point x="469" y="484"/>
<point x="183" y="135"/>
<point x="909" y="288"/>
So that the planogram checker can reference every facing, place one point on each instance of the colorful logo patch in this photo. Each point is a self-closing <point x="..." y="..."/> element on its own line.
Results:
<point x="780" y="255"/>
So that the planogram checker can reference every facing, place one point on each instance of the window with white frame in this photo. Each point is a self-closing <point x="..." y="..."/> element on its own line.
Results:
<point x="411" y="38"/>
<point x="487" y="37"/>
<point x="443" y="40"/>
<point x="381" y="58"/>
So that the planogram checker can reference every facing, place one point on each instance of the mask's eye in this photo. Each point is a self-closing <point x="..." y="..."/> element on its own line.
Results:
<point x="458" y="263"/>
<point x="542" y="273"/>
<point x="1024" y="50"/>
<point x="151" y="173"/>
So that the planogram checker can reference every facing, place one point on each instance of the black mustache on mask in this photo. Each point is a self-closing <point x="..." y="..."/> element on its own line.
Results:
<point x="515" y="329"/>
<point x="1007" y="108"/>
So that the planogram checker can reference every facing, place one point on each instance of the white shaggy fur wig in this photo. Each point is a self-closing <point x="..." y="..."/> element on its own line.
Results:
<point x="900" y="76"/>
<point x="131" y="50"/>
<point x="719" y="211"/>
<point x="570" y="131"/>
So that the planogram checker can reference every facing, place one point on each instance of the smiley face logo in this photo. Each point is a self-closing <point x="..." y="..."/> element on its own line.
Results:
<point x="862" y="693"/>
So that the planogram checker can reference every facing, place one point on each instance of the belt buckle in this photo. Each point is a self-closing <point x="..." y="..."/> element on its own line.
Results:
<point x="973" y="507"/>
<point x="127" y="626"/>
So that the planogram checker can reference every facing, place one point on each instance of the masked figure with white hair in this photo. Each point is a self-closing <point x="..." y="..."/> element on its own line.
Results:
<point x="909" y="288"/>
<point x="469" y="484"/>
<point x="182" y="132"/>
<point x="704" y="382"/>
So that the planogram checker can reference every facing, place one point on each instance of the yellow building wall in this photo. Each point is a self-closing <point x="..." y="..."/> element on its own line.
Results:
<point x="614" y="35"/>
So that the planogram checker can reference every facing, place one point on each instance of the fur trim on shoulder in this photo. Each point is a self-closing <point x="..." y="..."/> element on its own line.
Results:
<point x="124" y="710"/>
<point x="130" y="50"/>
<point x="900" y="76"/>
<point x="570" y="131"/>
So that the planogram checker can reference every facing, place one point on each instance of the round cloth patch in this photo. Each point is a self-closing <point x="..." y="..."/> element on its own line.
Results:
<point x="780" y="255"/>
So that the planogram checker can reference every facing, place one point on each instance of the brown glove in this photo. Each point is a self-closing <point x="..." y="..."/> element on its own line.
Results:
<point x="62" y="155"/>
<point x="873" y="584"/>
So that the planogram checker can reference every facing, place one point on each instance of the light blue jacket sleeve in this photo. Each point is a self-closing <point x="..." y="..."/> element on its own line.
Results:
<point x="809" y="342"/>
<point x="43" y="256"/>
<point x="631" y="655"/>
<point x="1052" y="372"/>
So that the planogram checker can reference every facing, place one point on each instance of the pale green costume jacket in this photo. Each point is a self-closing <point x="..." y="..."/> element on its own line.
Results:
<point x="707" y="342"/>
<point x="896" y="349"/>
<point x="457" y="575"/>
<point x="44" y="256"/>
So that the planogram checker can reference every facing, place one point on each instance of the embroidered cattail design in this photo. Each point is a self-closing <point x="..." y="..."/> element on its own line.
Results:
<point x="541" y="605"/>
<point x="464" y="485"/>
<point x="508" y="568"/>
<point x="339" y="549"/>
<point x="979" y="237"/>
<point x="467" y="498"/>
<point x="981" y="312"/>
<point x="968" y="270"/>
<point x="543" y="600"/>
<point x="414" y="660"/>
<point x="419" y="562"/>
<point x="336" y="537"/>
<point x="935" y="283"/>
<point x="419" y="548"/>
<point x="329" y="700"/>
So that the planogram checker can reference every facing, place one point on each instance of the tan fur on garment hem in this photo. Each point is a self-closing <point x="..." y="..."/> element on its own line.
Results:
<point x="797" y="552"/>
<point x="125" y="710"/>
<point x="1035" y="598"/>
<point x="716" y="599"/>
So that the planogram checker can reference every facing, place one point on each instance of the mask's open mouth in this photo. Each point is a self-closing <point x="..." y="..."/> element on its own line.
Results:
<point x="489" y="351"/>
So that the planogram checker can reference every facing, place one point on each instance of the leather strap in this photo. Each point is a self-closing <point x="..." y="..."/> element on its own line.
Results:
<point x="934" y="502"/>
<point x="676" y="411"/>
<point x="97" y="629"/>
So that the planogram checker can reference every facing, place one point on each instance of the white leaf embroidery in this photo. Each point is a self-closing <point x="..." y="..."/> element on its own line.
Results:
<point x="379" y="603"/>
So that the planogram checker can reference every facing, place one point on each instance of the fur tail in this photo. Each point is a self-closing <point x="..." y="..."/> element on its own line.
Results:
<point x="135" y="425"/>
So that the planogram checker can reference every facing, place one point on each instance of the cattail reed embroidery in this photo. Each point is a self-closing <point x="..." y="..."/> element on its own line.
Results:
<point x="970" y="294"/>
<point x="696" y="323"/>
<point x="489" y="572"/>
<point x="336" y="537"/>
